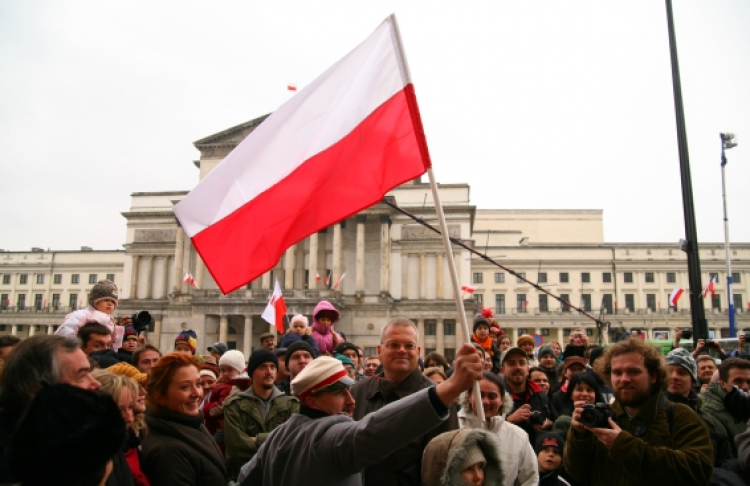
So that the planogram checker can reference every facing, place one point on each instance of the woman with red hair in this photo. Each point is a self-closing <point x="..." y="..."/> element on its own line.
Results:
<point x="178" y="449"/>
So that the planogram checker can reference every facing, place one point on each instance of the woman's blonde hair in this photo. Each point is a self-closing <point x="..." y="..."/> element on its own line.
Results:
<point x="113" y="385"/>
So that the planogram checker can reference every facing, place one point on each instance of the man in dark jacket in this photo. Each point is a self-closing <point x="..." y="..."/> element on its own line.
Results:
<point x="532" y="410"/>
<point x="682" y="377"/>
<point x="400" y="378"/>
<point x="649" y="440"/>
<point x="548" y="362"/>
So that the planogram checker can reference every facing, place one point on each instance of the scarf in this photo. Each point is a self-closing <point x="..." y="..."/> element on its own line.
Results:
<point x="486" y="344"/>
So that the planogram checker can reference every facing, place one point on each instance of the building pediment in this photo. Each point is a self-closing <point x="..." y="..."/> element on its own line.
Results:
<point x="227" y="139"/>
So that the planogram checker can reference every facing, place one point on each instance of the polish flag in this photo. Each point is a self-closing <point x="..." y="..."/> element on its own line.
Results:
<point x="276" y="309"/>
<point x="334" y="149"/>
<point x="338" y="282"/>
<point x="190" y="280"/>
<point x="328" y="279"/>
<point x="291" y="86"/>
<point x="468" y="289"/>
<point x="317" y="277"/>
<point x="710" y="287"/>
<point x="675" y="296"/>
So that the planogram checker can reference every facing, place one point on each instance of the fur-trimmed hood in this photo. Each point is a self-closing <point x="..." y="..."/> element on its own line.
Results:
<point x="445" y="454"/>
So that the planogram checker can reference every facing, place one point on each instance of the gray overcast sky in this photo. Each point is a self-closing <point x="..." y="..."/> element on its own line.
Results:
<point x="542" y="104"/>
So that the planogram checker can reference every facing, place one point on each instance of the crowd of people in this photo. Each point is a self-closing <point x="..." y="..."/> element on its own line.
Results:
<point x="96" y="404"/>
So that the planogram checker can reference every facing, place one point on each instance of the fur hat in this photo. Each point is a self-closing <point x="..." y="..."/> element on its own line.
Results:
<point x="235" y="359"/>
<point x="220" y="348"/>
<point x="188" y="337"/>
<point x="682" y="357"/>
<point x="549" y="439"/>
<point x="296" y="346"/>
<point x="481" y="321"/>
<point x="257" y="358"/>
<point x="130" y="333"/>
<point x="72" y="433"/>
<point x="323" y="374"/>
<point x="103" y="290"/>
<point x="525" y="338"/>
<point x="125" y="369"/>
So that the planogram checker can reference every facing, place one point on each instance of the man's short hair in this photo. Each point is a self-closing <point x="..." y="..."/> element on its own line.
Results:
<point x="9" y="340"/>
<point x="35" y="361"/>
<point x="652" y="360"/>
<point x="137" y="353"/>
<point x="372" y="357"/>
<point x="398" y="322"/>
<point x="730" y="364"/>
<point x="705" y="357"/>
<point x="85" y="332"/>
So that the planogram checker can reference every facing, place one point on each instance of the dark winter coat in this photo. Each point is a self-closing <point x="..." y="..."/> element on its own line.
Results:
<point x="712" y="403"/>
<point x="539" y="402"/>
<point x="403" y="466"/>
<point x="659" y="456"/>
<point x="179" y="451"/>
<point x="121" y="475"/>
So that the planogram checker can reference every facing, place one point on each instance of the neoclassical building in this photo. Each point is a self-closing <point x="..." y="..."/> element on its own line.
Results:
<point x="392" y="266"/>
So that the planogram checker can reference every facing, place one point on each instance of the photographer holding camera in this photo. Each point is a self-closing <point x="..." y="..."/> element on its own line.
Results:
<point x="647" y="440"/>
<point x="734" y="376"/>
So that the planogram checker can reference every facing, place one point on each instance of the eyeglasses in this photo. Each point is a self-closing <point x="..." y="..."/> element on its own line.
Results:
<point x="410" y="347"/>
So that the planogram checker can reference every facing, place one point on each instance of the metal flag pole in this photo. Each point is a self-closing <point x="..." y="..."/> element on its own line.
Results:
<point x="727" y="142"/>
<point x="456" y="285"/>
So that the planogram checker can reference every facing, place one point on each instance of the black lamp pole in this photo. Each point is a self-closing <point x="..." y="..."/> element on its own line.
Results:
<point x="697" y="312"/>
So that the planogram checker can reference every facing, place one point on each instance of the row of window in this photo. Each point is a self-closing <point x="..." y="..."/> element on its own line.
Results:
<point x="75" y="278"/>
<point x="40" y="302"/>
<point x="564" y="277"/>
<point x="585" y="302"/>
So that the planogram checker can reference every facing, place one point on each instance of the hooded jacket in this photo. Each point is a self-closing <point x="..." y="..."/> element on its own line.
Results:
<point x="244" y="419"/>
<point x="446" y="453"/>
<point x="713" y="404"/>
<point x="77" y="319"/>
<point x="324" y="335"/>
<point x="660" y="455"/>
<point x="514" y="449"/>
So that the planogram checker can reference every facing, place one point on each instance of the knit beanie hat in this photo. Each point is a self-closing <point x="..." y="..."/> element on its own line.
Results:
<point x="130" y="333"/>
<point x="473" y="455"/>
<point x="300" y="318"/>
<point x="126" y="369"/>
<point x="546" y="350"/>
<point x="259" y="356"/>
<point x="188" y="337"/>
<point x="481" y="321"/>
<point x="595" y="354"/>
<point x="206" y="370"/>
<point x="549" y="439"/>
<point x="103" y="290"/>
<point x="344" y="346"/>
<point x="235" y="359"/>
<point x="64" y="419"/>
<point x="296" y="346"/>
<point x="682" y="357"/>
<point x="525" y="338"/>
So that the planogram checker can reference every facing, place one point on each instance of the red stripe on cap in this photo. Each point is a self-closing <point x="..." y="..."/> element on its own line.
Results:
<point x="320" y="386"/>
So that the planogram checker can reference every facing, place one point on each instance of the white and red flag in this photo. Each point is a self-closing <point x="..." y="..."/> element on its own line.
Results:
<point x="328" y="279"/>
<point x="291" y="86"/>
<point x="190" y="280"/>
<point x="276" y="309"/>
<point x="709" y="287"/>
<point x="335" y="148"/>
<point x="468" y="289"/>
<point x="338" y="282"/>
<point x="675" y="296"/>
<point x="317" y="277"/>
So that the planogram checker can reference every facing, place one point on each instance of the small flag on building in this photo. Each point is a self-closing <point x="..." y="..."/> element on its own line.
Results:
<point x="675" y="296"/>
<point x="291" y="86"/>
<point x="190" y="280"/>
<point x="468" y="289"/>
<point x="276" y="309"/>
<point x="338" y="282"/>
<point x="710" y="287"/>
<point x="317" y="277"/>
<point x="328" y="279"/>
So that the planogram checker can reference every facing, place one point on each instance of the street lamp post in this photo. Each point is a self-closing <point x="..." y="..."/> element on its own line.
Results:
<point x="727" y="142"/>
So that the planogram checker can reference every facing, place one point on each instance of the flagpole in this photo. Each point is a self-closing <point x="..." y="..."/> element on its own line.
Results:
<point x="478" y="409"/>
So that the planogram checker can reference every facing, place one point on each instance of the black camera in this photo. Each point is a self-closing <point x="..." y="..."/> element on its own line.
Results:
<point x="712" y="344"/>
<point x="596" y="415"/>
<point x="687" y="334"/>
<point x="737" y="403"/>
<point x="141" y="321"/>
<point x="537" y="418"/>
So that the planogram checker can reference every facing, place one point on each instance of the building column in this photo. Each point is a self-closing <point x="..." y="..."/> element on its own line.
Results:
<point x="337" y="253"/>
<point x="165" y="289"/>
<point x="385" y="253"/>
<point x="156" y="338"/>
<point x="440" y="284"/>
<point x="404" y="275"/>
<point x="14" y="330"/>
<point x="179" y="255"/>
<point x="440" y="340"/>
<point x="360" y="283"/>
<point x="559" y="337"/>
<point x="514" y="337"/>
<point x="134" y="277"/>
<point x="50" y="330"/>
<point x="199" y="271"/>
<point x="420" y="341"/>
<point x="422" y="278"/>
<point x="289" y="267"/>
<point x="265" y="281"/>
<point x="223" y="328"/>
<point x="312" y="262"/>
<point x="150" y="277"/>
<point x="32" y="330"/>
<point x="247" y="339"/>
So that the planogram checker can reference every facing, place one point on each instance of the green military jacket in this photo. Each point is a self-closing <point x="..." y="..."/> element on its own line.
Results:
<point x="648" y="451"/>
<point x="712" y="403"/>
<point x="244" y="421"/>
